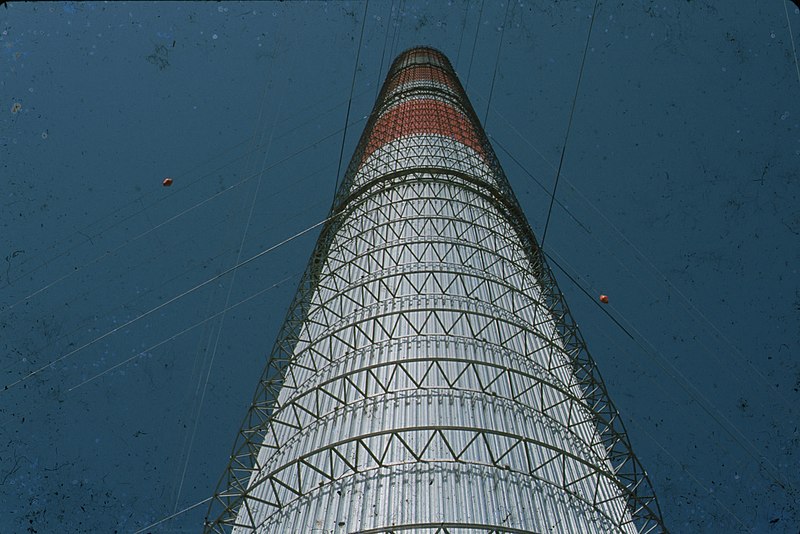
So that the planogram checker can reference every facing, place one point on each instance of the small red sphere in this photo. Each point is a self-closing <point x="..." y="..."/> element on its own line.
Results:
<point x="167" y="182"/>
<point x="604" y="299"/>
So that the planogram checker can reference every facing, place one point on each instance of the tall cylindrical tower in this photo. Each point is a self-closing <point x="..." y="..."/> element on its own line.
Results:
<point x="429" y="377"/>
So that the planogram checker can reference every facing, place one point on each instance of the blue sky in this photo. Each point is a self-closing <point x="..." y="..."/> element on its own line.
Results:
<point x="131" y="360"/>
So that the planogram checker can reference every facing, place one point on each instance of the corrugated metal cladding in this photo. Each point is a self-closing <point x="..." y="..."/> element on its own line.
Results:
<point x="426" y="384"/>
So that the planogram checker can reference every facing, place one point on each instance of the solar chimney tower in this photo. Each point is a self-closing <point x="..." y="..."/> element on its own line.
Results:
<point x="429" y="377"/>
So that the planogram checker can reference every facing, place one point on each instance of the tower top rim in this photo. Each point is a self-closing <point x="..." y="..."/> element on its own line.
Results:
<point x="421" y="49"/>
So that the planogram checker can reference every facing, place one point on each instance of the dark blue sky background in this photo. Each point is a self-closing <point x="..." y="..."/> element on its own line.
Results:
<point x="680" y="182"/>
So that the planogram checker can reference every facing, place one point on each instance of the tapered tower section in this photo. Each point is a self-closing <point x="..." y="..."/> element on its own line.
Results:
<point x="429" y="377"/>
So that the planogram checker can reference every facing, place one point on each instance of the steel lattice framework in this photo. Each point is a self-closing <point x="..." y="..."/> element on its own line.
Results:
<point x="428" y="376"/>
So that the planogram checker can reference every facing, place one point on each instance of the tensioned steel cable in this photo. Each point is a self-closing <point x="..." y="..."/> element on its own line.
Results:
<point x="569" y="124"/>
<point x="474" y="42"/>
<point x="178" y="334"/>
<point x="496" y="63"/>
<point x="350" y="102"/>
<point x="231" y="284"/>
<point x="688" y="387"/>
<point x="166" y="303"/>
<point x="383" y="53"/>
<point x="461" y="37"/>
<point x="397" y="26"/>
<point x="642" y="257"/>
<point x="77" y="268"/>
<point x="715" y="413"/>
<point x="791" y="36"/>
<point x="585" y="292"/>
<point x="40" y="349"/>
